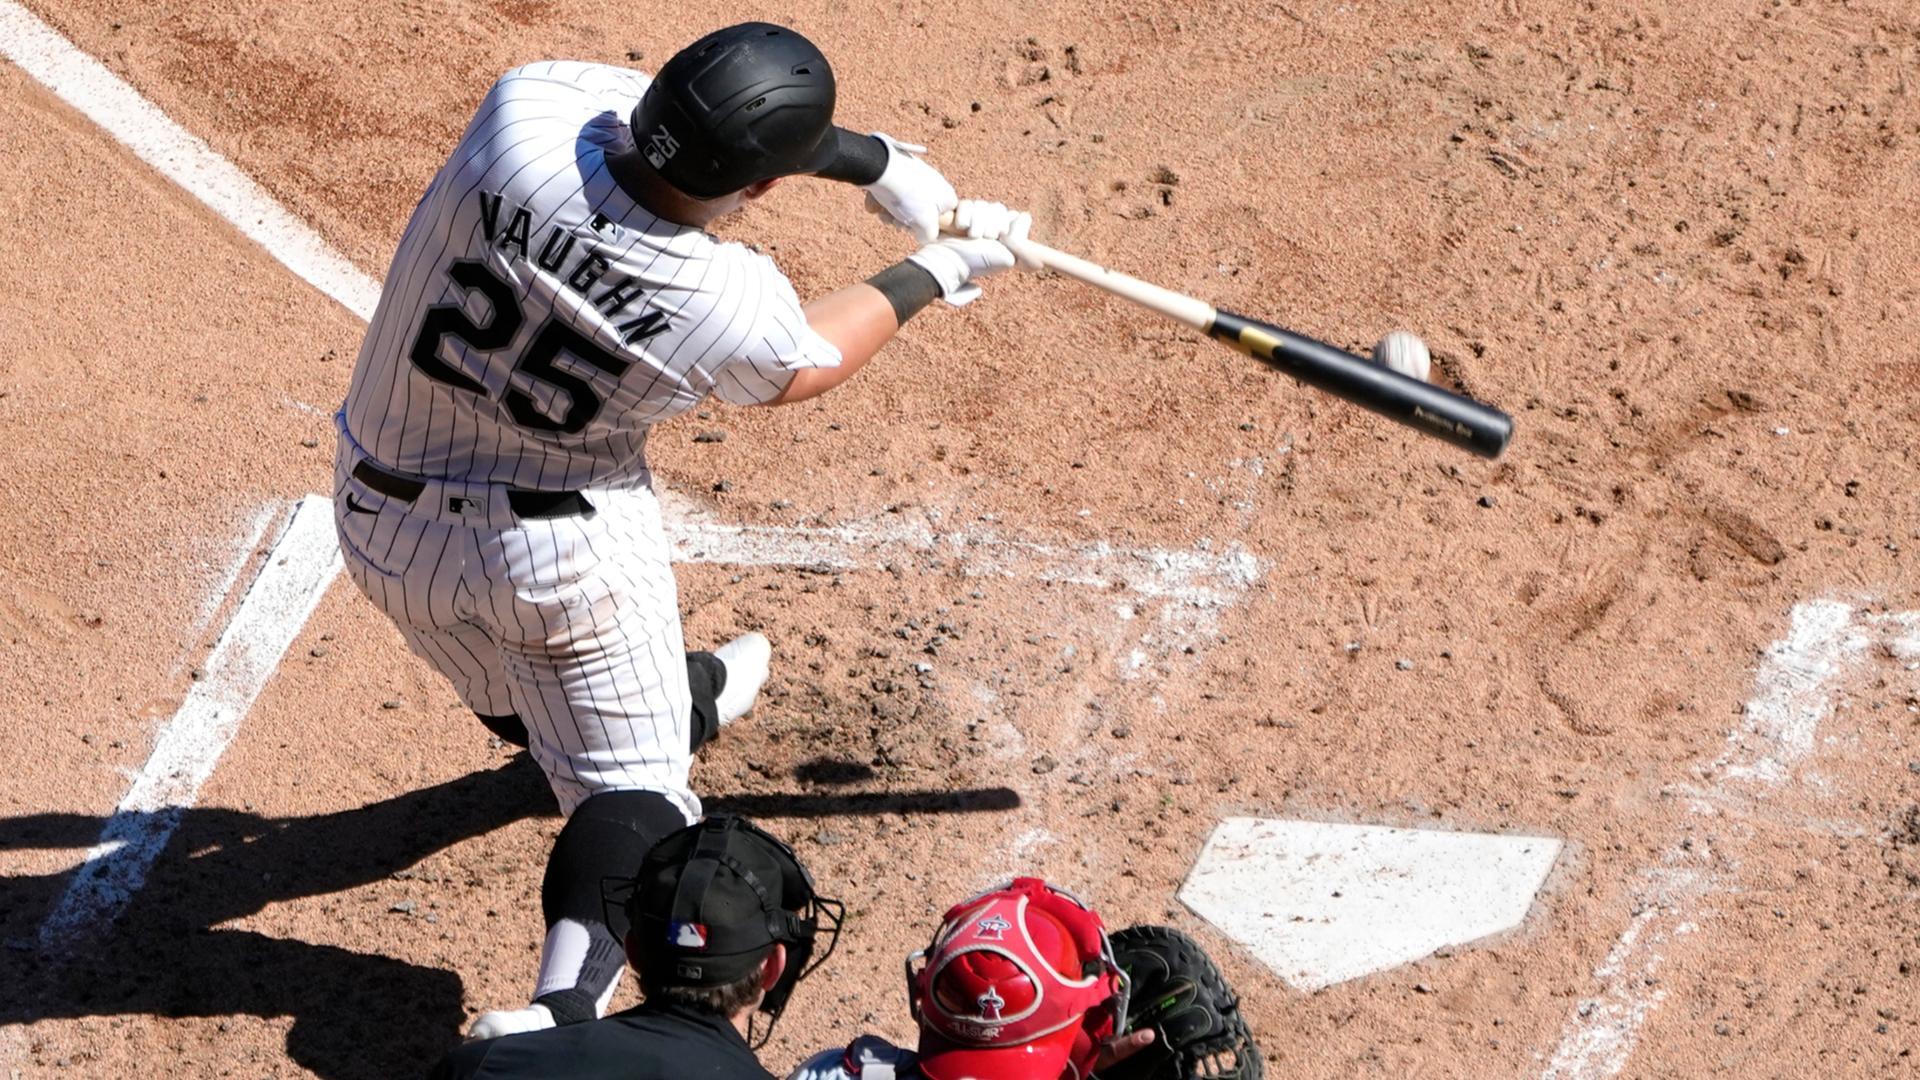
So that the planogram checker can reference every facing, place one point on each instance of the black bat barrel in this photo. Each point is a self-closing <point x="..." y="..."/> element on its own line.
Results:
<point x="1422" y="406"/>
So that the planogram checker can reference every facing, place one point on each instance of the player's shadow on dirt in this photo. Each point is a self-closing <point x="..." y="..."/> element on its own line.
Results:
<point x="979" y="801"/>
<point x="826" y="770"/>
<point x="354" y="1014"/>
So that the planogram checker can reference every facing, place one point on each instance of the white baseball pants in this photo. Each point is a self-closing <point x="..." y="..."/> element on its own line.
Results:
<point x="571" y="623"/>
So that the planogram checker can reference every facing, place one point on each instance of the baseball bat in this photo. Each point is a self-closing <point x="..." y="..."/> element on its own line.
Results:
<point x="1462" y="421"/>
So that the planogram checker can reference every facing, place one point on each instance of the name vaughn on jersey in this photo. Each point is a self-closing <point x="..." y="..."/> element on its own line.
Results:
<point x="588" y="265"/>
<point x="537" y="320"/>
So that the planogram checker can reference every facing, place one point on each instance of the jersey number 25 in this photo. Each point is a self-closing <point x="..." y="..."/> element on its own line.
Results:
<point x="536" y="363"/>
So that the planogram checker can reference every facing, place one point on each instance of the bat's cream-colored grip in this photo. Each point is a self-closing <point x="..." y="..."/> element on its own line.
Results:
<point x="1179" y="307"/>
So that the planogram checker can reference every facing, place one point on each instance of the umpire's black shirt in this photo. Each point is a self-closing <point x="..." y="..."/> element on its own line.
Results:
<point x="647" y="1042"/>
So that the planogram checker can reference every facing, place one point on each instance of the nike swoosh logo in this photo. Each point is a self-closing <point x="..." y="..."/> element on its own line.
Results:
<point x="356" y="508"/>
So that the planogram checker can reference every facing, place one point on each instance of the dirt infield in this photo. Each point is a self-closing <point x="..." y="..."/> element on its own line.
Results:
<point x="1676" y="241"/>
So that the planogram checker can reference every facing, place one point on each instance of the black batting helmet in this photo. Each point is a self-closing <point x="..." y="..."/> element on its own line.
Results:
<point x="741" y="105"/>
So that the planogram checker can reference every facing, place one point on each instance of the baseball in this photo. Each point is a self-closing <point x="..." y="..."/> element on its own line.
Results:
<point x="1404" y="352"/>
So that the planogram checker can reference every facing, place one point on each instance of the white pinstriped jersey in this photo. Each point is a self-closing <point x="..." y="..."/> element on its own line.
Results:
<point x="536" y="321"/>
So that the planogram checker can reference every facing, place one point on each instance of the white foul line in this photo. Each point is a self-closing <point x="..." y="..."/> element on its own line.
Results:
<point x="1792" y="695"/>
<point x="303" y="559"/>
<point x="298" y="568"/>
<point x="87" y="85"/>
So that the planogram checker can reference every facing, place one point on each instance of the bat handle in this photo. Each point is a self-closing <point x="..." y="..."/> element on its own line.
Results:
<point x="1181" y="308"/>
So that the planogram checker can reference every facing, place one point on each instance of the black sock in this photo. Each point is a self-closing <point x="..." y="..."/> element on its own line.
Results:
<point x="706" y="678"/>
<point x="601" y="844"/>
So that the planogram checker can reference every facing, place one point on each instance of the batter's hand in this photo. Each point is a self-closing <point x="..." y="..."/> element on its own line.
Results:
<point x="912" y="192"/>
<point x="956" y="262"/>
<point x="981" y="219"/>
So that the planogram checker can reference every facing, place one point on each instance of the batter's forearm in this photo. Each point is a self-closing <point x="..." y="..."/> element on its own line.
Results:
<point x="857" y="320"/>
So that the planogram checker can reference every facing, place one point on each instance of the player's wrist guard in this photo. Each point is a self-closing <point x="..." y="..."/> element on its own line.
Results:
<point x="859" y="160"/>
<point x="908" y="286"/>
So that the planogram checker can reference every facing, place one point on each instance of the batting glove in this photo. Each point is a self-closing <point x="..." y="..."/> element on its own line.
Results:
<point x="981" y="219"/>
<point x="912" y="192"/>
<point x="955" y="263"/>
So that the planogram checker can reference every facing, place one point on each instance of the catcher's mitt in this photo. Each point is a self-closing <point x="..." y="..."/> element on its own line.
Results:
<point x="1198" y="1033"/>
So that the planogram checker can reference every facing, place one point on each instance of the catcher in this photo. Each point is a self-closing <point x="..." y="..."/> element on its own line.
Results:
<point x="1024" y="983"/>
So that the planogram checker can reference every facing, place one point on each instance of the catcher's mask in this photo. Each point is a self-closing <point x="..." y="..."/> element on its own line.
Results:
<point x="711" y="901"/>
<point x="741" y="105"/>
<point x="1019" y="983"/>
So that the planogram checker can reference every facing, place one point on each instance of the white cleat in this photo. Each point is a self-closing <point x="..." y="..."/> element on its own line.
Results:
<point x="747" y="658"/>
<point x="492" y="1025"/>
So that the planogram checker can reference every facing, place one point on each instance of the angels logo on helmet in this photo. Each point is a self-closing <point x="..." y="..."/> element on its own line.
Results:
<point x="994" y="927"/>
<point x="1019" y="983"/>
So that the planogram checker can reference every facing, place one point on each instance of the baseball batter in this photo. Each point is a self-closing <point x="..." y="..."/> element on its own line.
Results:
<point x="554" y="296"/>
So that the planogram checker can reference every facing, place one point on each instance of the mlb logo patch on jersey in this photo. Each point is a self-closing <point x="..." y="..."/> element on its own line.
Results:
<point x="687" y="935"/>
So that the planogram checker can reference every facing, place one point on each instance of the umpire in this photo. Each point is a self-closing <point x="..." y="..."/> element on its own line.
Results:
<point x="724" y="921"/>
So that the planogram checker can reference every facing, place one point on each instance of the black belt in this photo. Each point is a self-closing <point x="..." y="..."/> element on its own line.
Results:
<point x="526" y="504"/>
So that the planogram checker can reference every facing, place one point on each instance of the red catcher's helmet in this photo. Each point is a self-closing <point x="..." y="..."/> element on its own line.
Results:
<point x="1019" y="984"/>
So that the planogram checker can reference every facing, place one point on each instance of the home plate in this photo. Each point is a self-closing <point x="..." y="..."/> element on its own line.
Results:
<point x="1321" y="903"/>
